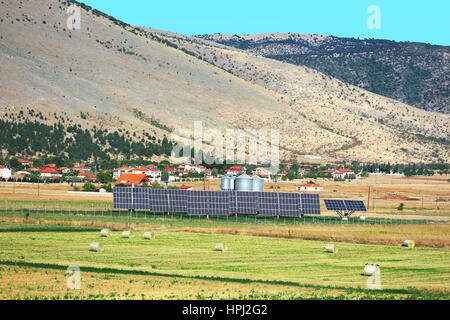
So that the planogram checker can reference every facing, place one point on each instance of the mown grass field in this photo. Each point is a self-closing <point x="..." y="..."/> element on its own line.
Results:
<point x="183" y="265"/>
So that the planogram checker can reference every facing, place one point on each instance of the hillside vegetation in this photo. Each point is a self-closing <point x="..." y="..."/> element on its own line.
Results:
<point x="414" y="73"/>
<point x="110" y="76"/>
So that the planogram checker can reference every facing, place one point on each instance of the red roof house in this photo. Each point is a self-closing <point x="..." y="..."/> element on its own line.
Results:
<point x="132" y="179"/>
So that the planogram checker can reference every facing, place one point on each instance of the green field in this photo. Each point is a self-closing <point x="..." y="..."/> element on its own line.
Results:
<point x="178" y="265"/>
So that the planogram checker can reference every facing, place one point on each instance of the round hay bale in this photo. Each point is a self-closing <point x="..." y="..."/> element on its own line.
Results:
<point x="96" y="247"/>
<point x="371" y="269"/>
<point x="105" y="233"/>
<point x="220" y="247"/>
<point x="331" y="248"/>
<point x="148" y="235"/>
<point x="409" y="244"/>
<point x="362" y="217"/>
<point x="127" y="234"/>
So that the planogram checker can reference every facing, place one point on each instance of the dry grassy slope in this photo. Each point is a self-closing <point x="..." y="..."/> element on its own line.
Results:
<point x="381" y="129"/>
<point x="49" y="68"/>
<point x="176" y="88"/>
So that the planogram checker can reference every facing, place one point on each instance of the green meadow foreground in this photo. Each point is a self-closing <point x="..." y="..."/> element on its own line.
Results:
<point x="183" y="265"/>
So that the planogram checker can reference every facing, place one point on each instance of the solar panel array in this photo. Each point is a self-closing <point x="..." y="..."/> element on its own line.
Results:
<point x="355" y="205"/>
<point x="310" y="203"/>
<point x="335" y="205"/>
<point x="217" y="203"/>
<point x="345" y="205"/>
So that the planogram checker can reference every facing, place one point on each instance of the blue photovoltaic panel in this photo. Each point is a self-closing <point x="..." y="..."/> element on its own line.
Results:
<point x="335" y="205"/>
<point x="355" y="205"/>
<point x="158" y="200"/>
<point x="122" y="198"/>
<point x="140" y="199"/>
<point x="289" y="204"/>
<point x="310" y="203"/>
<point x="177" y="200"/>
<point x="197" y="203"/>
<point x="268" y="204"/>
<point x="232" y="201"/>
<point x="219" y="203"/>
<point x="246" y="202"/>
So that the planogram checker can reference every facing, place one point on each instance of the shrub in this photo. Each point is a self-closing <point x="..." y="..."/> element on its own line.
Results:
<point x="89" y="187"/>
<point x="401" y="206"/>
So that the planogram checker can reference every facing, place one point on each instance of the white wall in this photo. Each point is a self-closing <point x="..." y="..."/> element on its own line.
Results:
<point x="5" y="173"/>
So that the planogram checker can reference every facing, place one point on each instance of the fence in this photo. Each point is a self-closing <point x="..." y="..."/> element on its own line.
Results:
<point x="86" y="211"/>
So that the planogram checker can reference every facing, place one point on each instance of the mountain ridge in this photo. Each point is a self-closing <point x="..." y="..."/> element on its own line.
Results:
<point x="411" y="72"/>
<point x="121" y="76"/>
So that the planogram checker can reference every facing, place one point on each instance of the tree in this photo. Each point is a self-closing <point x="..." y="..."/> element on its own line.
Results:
<point x="14" y="163"/>
<point x="104" y="177"/>
<point x="89" y="187"/>
<point x="165" y="175"/>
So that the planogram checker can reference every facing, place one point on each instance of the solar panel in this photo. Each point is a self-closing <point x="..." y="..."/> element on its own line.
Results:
<point x="177" y="200"/>
<point x="219" y="203"/>
<point x="140" y="199"/>
<point x="310" y="203"/>
<point x="269" y="204"/>
<point x="355" y="205"/>
<point x="122" y="198"/>
<point x="198" y="203"/>
<point x="289" y="204"/>
<point x="158" y="200"/>
<point x="245" y="202"/>
<point x="335" y="205"/>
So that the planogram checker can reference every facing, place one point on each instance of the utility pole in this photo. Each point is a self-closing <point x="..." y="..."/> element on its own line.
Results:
<point x="376" y="194"/>
<point x="368" y="200"/>
<point x="204" y="181"/>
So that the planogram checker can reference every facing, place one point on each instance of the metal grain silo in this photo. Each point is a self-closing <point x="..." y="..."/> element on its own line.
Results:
<point x="243" y="183"/>
<point x="258" y="184"/>
<point x="225" y="183"/>
<point x="232" y="182"/>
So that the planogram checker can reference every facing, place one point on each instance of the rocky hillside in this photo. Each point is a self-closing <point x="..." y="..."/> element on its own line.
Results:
<point x="110" y="76"/>
<point x="414" y="73"/>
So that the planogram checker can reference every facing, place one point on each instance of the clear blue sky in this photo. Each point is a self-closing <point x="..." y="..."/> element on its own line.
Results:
<point x="401" y="20"/>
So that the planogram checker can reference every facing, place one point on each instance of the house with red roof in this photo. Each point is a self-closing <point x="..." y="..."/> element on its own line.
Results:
<point x="186" y="188"/>
<point x="340" y="173"/>
<point x="50" y="173"/>
<point x="234" y="171"/>
<point x="131" y="179"/>
<point x="309" y="187"/>
<point x="25" y="163"/>
<point x="87" y="177"/>
<point x="63" y="169"/>
<point x="262" y="172"/>
<point x="120" y="171"/>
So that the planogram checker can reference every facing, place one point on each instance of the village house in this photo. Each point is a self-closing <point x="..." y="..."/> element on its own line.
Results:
<point x="309" y="187"/>
<point x="131" y="179"/>
<point x="25" y="163"/>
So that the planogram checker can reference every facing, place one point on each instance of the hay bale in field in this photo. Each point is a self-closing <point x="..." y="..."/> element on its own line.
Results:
<point x="105" y="233"/>
<point x="409" y="244"/>
<point x="371" y="269"/>
<point x="331" y="248"/>
<point x="149" y="235"/>
<point x="344" y="218"/>
<point x="96" y="247"/>
<point x="127" y="234"/>
<point x="220" y="247"/>
<point x="362" y="217"/>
